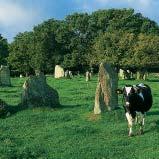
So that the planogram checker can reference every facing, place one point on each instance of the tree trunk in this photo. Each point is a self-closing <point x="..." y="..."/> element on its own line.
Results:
<point x="106" y="96"/>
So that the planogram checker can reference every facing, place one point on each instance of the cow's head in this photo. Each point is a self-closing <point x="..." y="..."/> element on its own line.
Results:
<point x="127" y="91"/>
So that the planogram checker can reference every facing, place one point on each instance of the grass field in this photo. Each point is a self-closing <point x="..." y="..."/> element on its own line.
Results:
<point x="72" y="131"/>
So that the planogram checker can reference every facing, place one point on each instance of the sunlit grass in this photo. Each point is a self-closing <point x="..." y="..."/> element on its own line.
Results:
<point x="73" y="131"/>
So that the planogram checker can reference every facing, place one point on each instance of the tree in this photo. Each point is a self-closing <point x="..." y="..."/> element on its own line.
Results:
<point x="114" y="48"/>
<point x="20" y="52"/>
<point x="3" y="50"/>
<point x="79" y="45"/>
<point x="146" y="53"/>
<point x="43" y="47"/>
<point x="82" y="40"/>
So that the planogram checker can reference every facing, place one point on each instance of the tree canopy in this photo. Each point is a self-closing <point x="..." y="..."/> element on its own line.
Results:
<point x="3" y="50"/>
<point x="81" y="40"/>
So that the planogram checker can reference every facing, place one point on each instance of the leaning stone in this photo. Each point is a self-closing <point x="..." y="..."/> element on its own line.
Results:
<point x="106" y="96"/>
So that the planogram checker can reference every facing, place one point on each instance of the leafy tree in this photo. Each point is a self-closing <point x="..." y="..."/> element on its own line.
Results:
<point x="20" y="48"/>
<point x="146" y="51"/>
<point x="3" y="50"/>
<point x="114" y="48"/>
<point x="44" y="47"/>
<point x="82" y="40"/>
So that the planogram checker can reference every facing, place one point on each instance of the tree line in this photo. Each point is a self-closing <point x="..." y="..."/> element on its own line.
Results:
<point x="81" y="41"/>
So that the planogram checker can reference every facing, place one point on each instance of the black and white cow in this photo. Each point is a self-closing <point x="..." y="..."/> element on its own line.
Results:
<point x="137" y="100"/>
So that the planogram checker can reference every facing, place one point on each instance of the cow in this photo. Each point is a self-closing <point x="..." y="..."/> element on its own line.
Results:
<point x="137" y="100"/>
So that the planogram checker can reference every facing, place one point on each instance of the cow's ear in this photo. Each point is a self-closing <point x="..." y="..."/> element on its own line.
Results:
<point x="119" y="91"/>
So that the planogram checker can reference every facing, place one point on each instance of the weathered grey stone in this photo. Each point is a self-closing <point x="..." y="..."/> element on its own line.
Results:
<point x="5" y="76"/>
<point x="36" y="92"/>
<point x="106" y="96"/>
<point x="59" y="71"/>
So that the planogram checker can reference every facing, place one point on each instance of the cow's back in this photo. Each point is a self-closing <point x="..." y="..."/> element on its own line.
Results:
<point x="146" y="91"/>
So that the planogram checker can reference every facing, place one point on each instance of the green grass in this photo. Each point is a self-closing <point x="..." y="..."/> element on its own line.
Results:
<point x="72" y="131"/>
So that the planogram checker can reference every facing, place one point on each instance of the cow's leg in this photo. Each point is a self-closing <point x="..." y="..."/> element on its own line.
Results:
<point x="142" y="122"/>
<point x="137" y="118"/>
<point x="130" y="120"/>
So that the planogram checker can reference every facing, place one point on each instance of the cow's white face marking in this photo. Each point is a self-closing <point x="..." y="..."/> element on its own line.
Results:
<point x="127" y="89"/>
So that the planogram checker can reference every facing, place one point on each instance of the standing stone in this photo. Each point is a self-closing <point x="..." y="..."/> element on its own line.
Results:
<point x="59" y="71"/>
<point x="145" y="76"/>
<point x="67" y="75"/>
<point x="36" y="93"/>
<point x="106" y="96"/>
<point x="21" y="76"/>
<point x="5" y="76"/>
<point x="121" y="74"/>
<point x="70" y="74"/>
<point x="88" y="76"/>
<point x="127" y="74"/>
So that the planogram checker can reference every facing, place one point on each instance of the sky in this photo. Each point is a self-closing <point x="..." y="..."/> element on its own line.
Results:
<point x="22" y="15"/>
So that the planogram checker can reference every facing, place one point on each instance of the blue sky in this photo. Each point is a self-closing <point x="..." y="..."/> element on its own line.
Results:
<point x="22" y="15"/>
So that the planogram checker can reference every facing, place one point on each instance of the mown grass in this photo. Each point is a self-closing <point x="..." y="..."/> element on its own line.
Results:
<point x="73" y="131"/>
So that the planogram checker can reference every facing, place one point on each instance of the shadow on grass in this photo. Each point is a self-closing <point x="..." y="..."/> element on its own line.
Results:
<point x="5" y="91"/>
<point x="11" y="110"/>
<point x="153" y="113"/>
<point x="69" y="106"/>
<point x="153" y="80"/>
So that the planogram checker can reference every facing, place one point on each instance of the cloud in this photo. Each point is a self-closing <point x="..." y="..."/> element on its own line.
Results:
<point x="21" y="15"/>
<point x="14" y="14"/>
<point x="139" y="4"/>
<point x="148" y="8"/>
<point x="15" y="18"/>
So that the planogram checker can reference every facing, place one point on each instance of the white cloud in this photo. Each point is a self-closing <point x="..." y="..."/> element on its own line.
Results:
<point x="15" y="18"/>
<point x="146" y="7"/>
<point x="12" y="14"/>
<point x="140" y="3"/>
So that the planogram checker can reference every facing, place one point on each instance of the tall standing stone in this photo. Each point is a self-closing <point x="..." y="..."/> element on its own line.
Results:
<point x="106" y="96"/>
<point x="59" y="71"/>
<point x="5" y="76"/>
